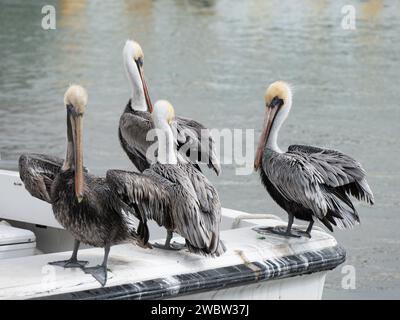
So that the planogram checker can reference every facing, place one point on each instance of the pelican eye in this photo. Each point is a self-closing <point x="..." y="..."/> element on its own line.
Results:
<point x="71" y="110"/>
<point x="276" y="102"/>
<point x="139" y="62"/>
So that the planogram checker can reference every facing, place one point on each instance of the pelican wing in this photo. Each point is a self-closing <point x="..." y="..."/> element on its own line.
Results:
<point x="133" y="128"/>
<point x="210" y="207"/>
<point x="205" y="193"/>
<point x="338" y="170"/>
<point x="196" y="142"/>
<point x="146" y="195"/>
<point x="197" y="210"/>
<point x="297" y="180"/>
<point x="37" y="172"/>
<point x="193" y="140"/>
<point x="320" y="180"/>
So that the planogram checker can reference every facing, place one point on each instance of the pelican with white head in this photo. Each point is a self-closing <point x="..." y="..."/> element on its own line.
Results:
<point x="163" y="115"/>
<point x="136" y="122"/>
<point x="308" y="182"/>
<point x="133" y="62"/>
<point x="278" y="102"/>
<point x="75" y="100"/>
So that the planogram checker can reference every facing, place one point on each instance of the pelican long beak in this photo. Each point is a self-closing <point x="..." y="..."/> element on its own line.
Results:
<point x="76" y="124"/>
<point x="268" y="122"/>
<point x="145" y="90"/>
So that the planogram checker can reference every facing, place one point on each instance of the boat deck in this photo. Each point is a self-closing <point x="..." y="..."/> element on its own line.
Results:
<point x="136" y="273"/>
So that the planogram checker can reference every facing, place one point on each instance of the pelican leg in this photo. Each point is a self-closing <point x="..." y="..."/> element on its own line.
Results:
<point x="282" y="231"/>
<point x="307" y="233"/>
<point x="168" y="245"/>
<point x="73" y="262"/>
<point x="100" y="272"/>
<point x="289" y="232"/>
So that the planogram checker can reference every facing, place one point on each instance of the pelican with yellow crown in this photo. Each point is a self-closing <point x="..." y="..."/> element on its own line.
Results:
<point x="176" y="195"/>
<point x="193" y="140"/>
<point x="85" y="205"/>
<point x="309" y="183"/>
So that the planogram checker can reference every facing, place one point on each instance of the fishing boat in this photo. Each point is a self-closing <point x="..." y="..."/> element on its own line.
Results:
<point x="256" y="265"/>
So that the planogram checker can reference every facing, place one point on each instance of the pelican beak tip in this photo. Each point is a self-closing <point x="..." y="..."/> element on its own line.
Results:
<point x="79" y="198"/>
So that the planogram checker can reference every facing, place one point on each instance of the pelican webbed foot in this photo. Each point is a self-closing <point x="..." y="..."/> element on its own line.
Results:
<point x="283" y="231"/>
<point x="305" y="234"/>
<point x="175" y="246"/>
<point x="287" y="231"/>
<point x="99" y="273"/>
<point x="71" y="263"/>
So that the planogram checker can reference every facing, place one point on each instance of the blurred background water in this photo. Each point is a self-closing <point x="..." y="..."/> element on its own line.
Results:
<point x="213" y="61"/>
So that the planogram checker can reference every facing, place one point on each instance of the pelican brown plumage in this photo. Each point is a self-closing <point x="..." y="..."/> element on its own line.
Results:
<point x="192" y="138"/>
<point x="85" y="205"/>
<point x="175" y="195"/>
<point x="309" y="183"/>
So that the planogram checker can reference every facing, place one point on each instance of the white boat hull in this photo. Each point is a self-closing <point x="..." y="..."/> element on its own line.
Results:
<point x="255" y="266"/>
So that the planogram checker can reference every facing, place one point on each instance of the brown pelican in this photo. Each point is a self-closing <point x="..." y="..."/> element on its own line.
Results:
<point x="307" y="182"/>
<point x="83" y="204"/>
<point x="175" y="195"/>
<point x="193" y="139"/>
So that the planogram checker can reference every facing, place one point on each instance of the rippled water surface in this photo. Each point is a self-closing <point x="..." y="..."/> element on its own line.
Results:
<point x="213" y="60"/>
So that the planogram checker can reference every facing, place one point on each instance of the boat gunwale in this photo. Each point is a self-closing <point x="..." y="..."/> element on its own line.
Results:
<point x="307" y="262"/>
